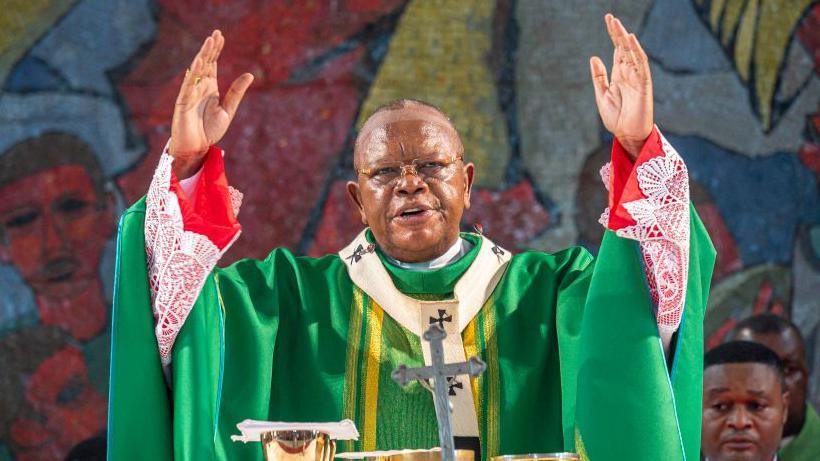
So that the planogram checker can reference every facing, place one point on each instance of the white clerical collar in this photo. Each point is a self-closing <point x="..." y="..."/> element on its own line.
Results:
<point x="459" y="249"/>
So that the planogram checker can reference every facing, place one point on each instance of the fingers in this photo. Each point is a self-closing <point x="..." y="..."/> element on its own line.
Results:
<point x="235" y="93"/>
<point x="619" y="36"/>
<point x="627" y="48"/>
<point x="203" y="52"/>
<point x="197" y="67"/>
<point x="217" y="41"/>
<point x="599" y="79"/>
<point x="608" y="18"/>
<point x="641" y="60"/>
<point x="628" y="54"/>
<point x="189" y="83"/>
<point x="220" y="44"/>
<point x="202" y="66"/>
<point x="619" y="31"/>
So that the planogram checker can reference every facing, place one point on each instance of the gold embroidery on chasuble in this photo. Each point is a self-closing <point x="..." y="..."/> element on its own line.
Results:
<point x="407" y="318"/>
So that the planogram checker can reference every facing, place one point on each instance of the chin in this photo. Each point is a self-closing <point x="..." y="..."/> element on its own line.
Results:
<point x="417" y="246"/>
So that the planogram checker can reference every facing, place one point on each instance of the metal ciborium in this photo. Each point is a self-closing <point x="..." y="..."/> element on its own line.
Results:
<point x="433" y="454"/>
<point x="538" y="457"/>
<point x="429" y="455"/>
<point x="297" y="446"/>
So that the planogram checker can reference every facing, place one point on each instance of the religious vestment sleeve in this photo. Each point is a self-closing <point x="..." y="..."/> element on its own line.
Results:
<point x="185" y="237"/>
<point x="628" y="403"/>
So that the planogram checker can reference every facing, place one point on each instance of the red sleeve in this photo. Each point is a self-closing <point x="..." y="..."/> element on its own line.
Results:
<point x="211" y="213"/>
<point x="624" y="186"/>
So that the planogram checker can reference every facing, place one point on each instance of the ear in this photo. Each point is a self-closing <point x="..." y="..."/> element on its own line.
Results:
<point x="354" y="195"/>
<point x="5" y="257"/>
<point x="786" y="398"/>
<point x="469" y="176"/>
<point x="109" y="221"/>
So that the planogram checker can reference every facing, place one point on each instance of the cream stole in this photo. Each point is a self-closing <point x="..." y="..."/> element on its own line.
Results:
<point x="470" y="293"/>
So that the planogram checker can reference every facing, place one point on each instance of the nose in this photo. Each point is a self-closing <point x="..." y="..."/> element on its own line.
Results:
<point x="739" y="418"/>
<point x="410" y="183"/>
<point x="52" y="235"/>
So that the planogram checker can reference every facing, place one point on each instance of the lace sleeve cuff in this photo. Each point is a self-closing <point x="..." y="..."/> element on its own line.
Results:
<point x="184" y="239"/>
<point x="649" y="203"/>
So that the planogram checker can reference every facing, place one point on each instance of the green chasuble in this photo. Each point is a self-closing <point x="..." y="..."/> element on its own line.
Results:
<point x="806" y="445"/>
<point x="574" y="358"/>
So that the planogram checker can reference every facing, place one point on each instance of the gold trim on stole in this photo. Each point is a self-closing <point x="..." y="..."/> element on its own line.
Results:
<point x="579" y="446"/>
<point x="354" y="332"/>
<point x="471" y="350"/>
<point x="491" y="381"/>
<point x="479" y="340"/>
<point x="370" y="396"/>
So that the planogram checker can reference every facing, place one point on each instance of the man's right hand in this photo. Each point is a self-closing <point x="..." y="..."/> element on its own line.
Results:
<point x="200" y="118"/>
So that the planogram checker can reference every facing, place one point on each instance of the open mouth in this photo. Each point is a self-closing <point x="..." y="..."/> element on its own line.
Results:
<point x="412" y="212"/>
<point x="414" y="215"/>
<point x="60" y="270"/>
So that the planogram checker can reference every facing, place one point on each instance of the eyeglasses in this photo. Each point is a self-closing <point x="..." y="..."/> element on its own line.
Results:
<point x="427" y="169"/>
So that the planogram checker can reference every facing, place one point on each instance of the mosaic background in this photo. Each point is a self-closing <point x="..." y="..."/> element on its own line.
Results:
<point x="87" y="89"/>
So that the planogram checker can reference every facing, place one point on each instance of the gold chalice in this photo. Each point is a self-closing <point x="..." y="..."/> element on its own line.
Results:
<point x="297" y="446"/>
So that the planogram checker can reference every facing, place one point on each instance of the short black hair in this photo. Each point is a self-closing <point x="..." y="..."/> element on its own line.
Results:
<point x="745" y="352"/>
<point x="768" y="324"/>
<point x="50" y="150"/>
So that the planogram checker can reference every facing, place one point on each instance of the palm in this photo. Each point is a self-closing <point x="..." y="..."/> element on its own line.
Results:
<point x="200" y="119"/>
<point x="624" y="101"/>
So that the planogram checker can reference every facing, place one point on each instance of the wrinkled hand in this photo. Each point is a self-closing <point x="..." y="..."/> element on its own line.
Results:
<point x="625" y="100"/>
<point x="200" y="119"/>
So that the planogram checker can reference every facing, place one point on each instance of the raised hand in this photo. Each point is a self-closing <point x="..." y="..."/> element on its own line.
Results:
<point x="200" y="118"/>
<point x="625" y="100"/>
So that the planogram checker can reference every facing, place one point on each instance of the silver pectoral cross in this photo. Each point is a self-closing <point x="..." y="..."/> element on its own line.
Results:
<point x="445" y="381"/>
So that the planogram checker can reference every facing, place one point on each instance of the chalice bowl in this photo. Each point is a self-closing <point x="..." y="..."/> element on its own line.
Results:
<point x="302" y="445"/>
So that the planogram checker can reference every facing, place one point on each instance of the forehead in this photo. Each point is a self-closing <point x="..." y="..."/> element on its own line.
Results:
<point x="45" y="185"/>
<point x="741" y="377"/>
<point x="406" y="133"/>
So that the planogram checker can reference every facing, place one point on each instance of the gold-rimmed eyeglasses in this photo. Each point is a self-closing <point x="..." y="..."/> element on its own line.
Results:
<point x="426" y="168"/>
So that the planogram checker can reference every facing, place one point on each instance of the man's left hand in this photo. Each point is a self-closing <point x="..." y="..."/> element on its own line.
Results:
<point x="624" y="100"/>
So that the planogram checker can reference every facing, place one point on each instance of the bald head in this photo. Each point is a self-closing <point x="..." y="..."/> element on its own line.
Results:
<point x="376" y="130"/>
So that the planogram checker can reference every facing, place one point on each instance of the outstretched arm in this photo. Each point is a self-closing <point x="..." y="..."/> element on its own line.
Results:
<point x="617" y="349"/>
<point x="187" y="229"/>
<point x="647" y="180"/>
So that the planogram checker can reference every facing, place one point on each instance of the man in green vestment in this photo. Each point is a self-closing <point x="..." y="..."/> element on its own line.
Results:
<point x="801" y="433"/>
<point x="601" y="356"/>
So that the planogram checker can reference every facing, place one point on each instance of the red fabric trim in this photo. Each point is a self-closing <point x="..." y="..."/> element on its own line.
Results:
<point x="624" y="186"/>
<point x="211" y="214"/>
